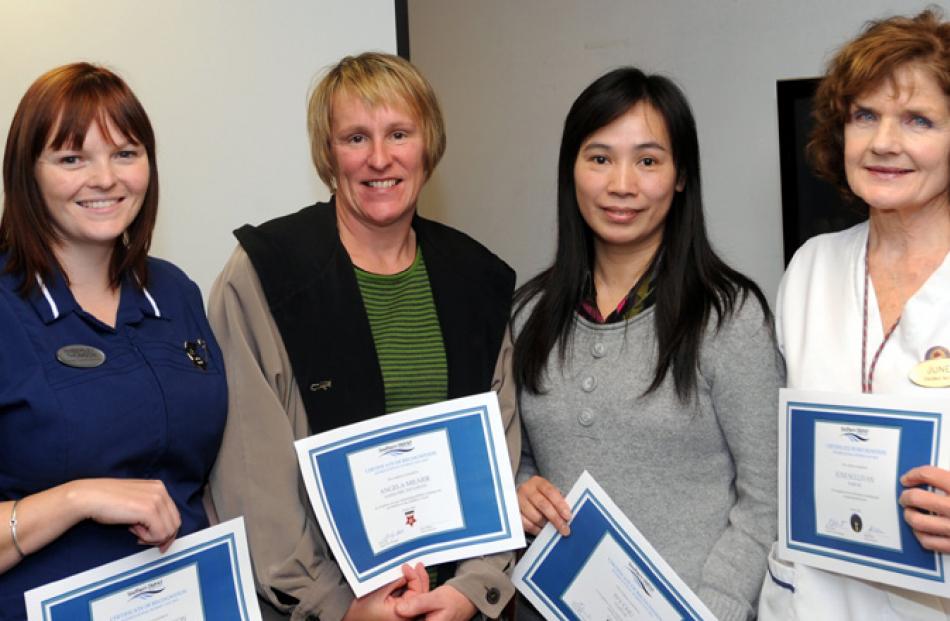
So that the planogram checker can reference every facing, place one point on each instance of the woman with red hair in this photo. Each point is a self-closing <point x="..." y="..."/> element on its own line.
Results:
<point x="860" y="309"/>
<point x="112" y="394"/>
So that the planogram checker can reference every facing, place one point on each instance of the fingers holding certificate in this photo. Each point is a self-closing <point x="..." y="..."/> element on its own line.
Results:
<point x="853" y="476"/>
<point x="928" y="513"/>
<point x="542" y="502"/>
<point x="605" y="569"/>
<point x="431" y="484"/>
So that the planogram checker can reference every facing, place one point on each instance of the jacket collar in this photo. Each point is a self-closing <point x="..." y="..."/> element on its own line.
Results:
<point x="53" y="300"/>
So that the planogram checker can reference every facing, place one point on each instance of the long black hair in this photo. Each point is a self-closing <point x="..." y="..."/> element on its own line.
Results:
<point x="691" y="280"/>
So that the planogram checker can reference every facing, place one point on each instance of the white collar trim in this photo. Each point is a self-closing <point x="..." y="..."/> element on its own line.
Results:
<point x="151" y="301"/>
<point x="49" y="298"/>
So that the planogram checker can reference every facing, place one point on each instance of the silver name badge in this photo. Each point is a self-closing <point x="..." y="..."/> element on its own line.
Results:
<point x="81" y="356"/>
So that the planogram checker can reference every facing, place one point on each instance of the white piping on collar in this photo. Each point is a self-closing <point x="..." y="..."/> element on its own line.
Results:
<point x="49" y="298"/>
<point x="151" y="301"/>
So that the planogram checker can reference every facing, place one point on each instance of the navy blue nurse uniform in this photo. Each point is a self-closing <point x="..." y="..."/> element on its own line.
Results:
<point x="150" y="411"/>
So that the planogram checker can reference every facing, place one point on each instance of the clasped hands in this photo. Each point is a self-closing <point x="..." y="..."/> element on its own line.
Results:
<point x="410" y="598"/>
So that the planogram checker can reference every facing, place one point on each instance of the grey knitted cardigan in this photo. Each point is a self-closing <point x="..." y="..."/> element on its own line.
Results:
<point x="698" y="479"/>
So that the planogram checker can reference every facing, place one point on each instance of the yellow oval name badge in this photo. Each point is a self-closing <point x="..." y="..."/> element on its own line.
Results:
<point x="932" y="373"/>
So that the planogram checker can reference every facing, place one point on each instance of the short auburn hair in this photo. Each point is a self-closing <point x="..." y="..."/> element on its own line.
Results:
<point x="863" y="64"/>
<point x="57" y="110"/>
<point x="380" y="80"/>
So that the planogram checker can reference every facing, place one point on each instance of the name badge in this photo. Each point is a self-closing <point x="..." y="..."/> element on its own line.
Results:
<point x="934" y="372"/>
<point x="81" y="356"/>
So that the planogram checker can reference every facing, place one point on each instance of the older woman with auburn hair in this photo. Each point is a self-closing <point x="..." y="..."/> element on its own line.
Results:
<point x="112" y="395"/>
<point x="346" y="310"/>
<point x="858" y="310"/>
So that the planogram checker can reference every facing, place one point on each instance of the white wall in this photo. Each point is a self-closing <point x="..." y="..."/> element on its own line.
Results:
<point x="507" y="72"/>
<point x="225" y="85"/>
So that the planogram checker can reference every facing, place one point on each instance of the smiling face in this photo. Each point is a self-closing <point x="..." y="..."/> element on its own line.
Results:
<point x="94" y="192"/>
<point x="897" y="144"/>
<point x="626" y="179"/>
<point x="378" y="153"/>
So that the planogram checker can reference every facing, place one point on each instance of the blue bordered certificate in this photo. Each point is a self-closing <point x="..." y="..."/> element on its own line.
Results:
<point x="430" y="484"/>
<point x="205" y="576"/>
<point x="605" y="569"/>
<point x="841" y="457"/>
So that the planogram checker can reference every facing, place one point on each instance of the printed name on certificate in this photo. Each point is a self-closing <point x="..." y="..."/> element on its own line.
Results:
<point x="855" y="479"/>
<point x="611" y="586"/>
<point x="406" y="489"/>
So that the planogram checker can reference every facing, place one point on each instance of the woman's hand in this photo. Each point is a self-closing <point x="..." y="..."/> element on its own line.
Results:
<point x="417" y="579"/>
<point x="380" y="605"/>
<point x="927" y="513"/>
<point x="443" y="604"/>
<point x="143" y="505"/>
<point x="541" y="502"/>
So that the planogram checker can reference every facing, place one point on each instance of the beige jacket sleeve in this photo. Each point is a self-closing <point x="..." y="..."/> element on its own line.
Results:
<point x="484" y="580"/>
<point x="257" y="474"/>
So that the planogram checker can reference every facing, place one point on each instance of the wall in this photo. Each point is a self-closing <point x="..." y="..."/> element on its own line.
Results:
<point x="507" y="72"/>
<point x="225" y="84"/>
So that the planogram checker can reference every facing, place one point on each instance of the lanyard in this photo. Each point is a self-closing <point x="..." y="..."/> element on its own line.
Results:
<point x="867" y="375"/>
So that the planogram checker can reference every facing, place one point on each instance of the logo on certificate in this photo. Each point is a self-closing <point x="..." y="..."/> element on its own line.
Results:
<point x="410" y="517"/>
<point x="147" y="591"/>
<point x="855" y="434"/>
<point x="645" y="584"/>
<point x="397" y="449"/>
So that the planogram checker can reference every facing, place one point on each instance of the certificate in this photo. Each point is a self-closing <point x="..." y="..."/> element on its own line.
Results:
<point x="431" y="484"/>
<point x="841" y="457"/>
<point x="855" y="478"/>
<point x="605" y="569"/>
<point x="204" y="576"/>
<point x="408" y="489"/>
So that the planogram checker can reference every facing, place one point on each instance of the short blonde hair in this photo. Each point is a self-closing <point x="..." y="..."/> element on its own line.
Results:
<point x="379" y="79"/>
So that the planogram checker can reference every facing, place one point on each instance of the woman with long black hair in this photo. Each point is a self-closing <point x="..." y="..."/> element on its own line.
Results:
<point x="642" y="357"/>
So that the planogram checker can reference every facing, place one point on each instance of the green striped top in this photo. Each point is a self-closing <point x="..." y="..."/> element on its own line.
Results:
<point x="407" y="335"/>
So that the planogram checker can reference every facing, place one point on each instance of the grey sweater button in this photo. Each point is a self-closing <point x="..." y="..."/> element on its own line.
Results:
<point x="588" y="383"/>
<point x="598" y="350"/>
<point x="586" y="418"/>
<point x="492" y="595"/>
